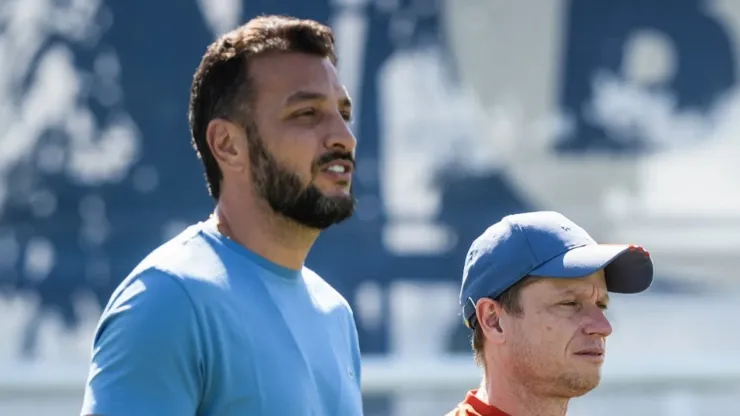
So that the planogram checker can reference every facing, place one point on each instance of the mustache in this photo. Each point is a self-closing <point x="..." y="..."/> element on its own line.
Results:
<point x="332" y="156"/>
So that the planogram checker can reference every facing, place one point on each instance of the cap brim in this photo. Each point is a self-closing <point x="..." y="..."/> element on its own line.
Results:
<point x="627" y="269"/>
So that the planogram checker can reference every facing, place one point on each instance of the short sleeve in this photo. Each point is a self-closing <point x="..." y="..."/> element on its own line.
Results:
<point x="355" y="346"/>
<point x="146" y="356"/>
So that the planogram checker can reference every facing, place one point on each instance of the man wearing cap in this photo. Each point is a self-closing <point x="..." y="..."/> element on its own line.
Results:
<point x="534" y="292"/>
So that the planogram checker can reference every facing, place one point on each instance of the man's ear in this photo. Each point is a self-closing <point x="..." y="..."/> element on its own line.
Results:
<point x="227" y="142"/>
<point x="488" y="314"/>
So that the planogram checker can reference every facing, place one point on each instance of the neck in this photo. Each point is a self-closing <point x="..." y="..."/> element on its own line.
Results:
<point x="515" y="399"/>
<point x="262" y="231"/>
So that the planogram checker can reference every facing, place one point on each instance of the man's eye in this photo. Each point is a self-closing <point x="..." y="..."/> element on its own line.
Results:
<point x="347" y="116"/>
<point x="309" y="112"/>
<point x="569" y="303"/>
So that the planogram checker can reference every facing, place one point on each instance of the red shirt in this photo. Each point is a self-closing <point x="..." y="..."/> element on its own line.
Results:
<point x="473" y="406"/>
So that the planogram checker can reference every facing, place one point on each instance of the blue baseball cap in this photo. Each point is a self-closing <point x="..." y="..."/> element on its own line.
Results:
<point x="546" y="244"/>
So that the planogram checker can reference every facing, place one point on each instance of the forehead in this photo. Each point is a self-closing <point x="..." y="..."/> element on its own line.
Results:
<point x="278" y="75"/>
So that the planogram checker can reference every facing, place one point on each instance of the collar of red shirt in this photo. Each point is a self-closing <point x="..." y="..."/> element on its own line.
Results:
<point x="483" y="409"/>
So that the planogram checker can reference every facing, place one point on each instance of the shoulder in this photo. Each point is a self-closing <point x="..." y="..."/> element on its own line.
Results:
<point x="149" y="322"/>
<point x="149" y="298"/>
<point x="324" y="292"/>
<point x="183" y="266"/>
<point x="189" y="255"/>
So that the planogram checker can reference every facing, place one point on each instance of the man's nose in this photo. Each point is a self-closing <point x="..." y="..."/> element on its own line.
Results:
<point x="598" y="323"/>
<point x="341" y="136"/>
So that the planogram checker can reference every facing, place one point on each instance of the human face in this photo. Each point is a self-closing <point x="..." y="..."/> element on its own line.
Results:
<point x="300" y="146"/>
<point x="557" y="345"/>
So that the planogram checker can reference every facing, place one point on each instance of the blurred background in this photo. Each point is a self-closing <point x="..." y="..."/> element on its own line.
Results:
<point x="625" y="116"/>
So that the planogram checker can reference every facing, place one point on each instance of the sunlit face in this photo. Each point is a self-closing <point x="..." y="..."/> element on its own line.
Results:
<point x="301" y="148"/>
<point x="557" y="345"/>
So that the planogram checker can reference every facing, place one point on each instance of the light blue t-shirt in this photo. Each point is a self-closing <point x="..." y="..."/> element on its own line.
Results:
<point x="205" y="327"/>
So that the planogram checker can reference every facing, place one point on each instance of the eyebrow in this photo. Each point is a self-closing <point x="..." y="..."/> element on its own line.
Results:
<point x="604" y="298"/>
<point x="303" y="96"/>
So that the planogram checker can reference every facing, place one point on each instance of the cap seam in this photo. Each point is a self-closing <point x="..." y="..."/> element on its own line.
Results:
<point x="531" y="249"/>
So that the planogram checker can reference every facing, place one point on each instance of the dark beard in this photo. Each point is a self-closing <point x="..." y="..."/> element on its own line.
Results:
<point x="286" y="195"/>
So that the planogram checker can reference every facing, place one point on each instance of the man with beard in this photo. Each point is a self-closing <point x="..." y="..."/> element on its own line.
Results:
<point x="534" y="290"/>
<point x="225" y="319"/>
